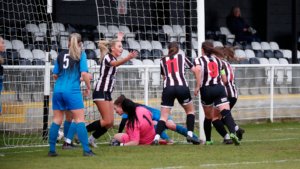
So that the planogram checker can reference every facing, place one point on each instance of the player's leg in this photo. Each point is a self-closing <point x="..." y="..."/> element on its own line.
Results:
<point x="53" y="133"/>
<point x="207" y="123"/>
<point x="161" y="125"/>
<point x="106" y="110"/>
<point x="67" y="122"/>
<point x="219" y="125"/>
<point x="168" y="98"/>
<point x="78" y="116"/>
<point x="239" y="131"/>
<point x="228" y="121"/>
<point x="178" y="128"/>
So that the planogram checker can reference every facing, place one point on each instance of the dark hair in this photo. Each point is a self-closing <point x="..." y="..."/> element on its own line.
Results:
<point x="129" y="107"/>
<point x="119" y="100"/>
<point x="231" y="14"/>
<point x="173" y="48"/>
<point x="209" y="49"/>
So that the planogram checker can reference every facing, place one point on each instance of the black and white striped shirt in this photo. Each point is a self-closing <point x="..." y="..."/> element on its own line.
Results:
<point x="173" y="70"/>
<point x="230" y="86"/>
<point x="211" y="68"/>
<point x="107" y="78"/>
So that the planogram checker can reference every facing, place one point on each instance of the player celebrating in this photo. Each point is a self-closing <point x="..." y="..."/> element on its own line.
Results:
<point x="212" y="90"/>
<point x="69" y="66"/>
<point x="176" y="87"/>
<point x="155" y="118"/>
<point x="105" y="84"/>
<point x="139" y="126"/>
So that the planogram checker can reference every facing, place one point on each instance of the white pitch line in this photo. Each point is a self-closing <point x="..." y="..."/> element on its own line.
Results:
<point x="280" y="129"/>
<point x="273" y="140"/>
<point x="173" y="167"/>
<point x="32" y="151"/>
<point x="249" y="162"/>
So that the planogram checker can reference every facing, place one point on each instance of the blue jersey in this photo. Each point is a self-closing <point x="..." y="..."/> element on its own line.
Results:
<point x="155" y="113"/>
<point x="69" y="72"/>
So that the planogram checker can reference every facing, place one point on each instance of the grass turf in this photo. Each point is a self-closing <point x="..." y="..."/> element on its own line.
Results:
<point x="266" y="146"/>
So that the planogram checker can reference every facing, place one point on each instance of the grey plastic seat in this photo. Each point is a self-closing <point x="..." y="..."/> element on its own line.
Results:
<point x="17" y="44"/>
<point x="39" y="54"/>
<point x="26" y="54"/>
<point x="229" y="36"/>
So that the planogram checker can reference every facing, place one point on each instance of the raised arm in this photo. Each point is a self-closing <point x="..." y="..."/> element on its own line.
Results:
<point x="131" y="55"/>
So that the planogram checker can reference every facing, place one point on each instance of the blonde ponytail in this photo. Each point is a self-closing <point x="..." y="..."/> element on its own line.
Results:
<point x="105" y="47"/>
<point x="74" y="46"/>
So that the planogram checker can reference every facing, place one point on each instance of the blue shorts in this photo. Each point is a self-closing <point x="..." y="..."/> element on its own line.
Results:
<point x="67" y="101"/>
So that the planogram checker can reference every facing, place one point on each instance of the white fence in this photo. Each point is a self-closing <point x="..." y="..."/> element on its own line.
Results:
<point x="266" y="92"/>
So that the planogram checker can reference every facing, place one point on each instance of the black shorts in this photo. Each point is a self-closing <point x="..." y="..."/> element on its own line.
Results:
<point x="170" y="93"/>
<point x="232" y="101"/>
<point x="101" y="96"/>
<point x="213" y="95"/>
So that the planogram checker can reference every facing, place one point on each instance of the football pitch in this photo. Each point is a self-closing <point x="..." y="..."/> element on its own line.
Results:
<point x="273" y="146"/>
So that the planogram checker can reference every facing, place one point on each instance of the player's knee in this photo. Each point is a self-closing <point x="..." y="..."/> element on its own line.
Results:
<point x="225" y="112"/>
<point x="107" y="123"/>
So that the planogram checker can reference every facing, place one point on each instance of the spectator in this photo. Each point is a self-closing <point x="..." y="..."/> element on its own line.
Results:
<point x="237" y="25"/>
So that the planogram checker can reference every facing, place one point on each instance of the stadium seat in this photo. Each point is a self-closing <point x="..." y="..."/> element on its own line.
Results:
<point x="26" y="54"/>
<point x="229" y="36"/>
<point x="247" y="46"/>
<point x="177" y="29"/>
<point x="278" y="77"/>
<point x="249" y="53"/>
<point x="89" y="45"/>
<point x="278" y="54"/>
<point x="195" y="44"/>
<point x="258" y="53"/>
<point x="165" y="52"/>
<point x="240" y="53"/>
<point x="113" y="29"/>
<point x="8" y="44"/>
<point x="124" y="54"/>
<point x="35" y="32"/>
<point x="287" y="54"/>
<point x="265" y="46"/>
<point x="194" y="54"/>
<point x="17" y="44"/>
<point x="156" y="45"/>
<point x="125" y="45"/>
<point x="134" y="45"/>
<point x="12" y="56"/>
<point x="168" y="30"/>
<point x="238" y="45"/>
<point x="148" y="62"/>
<point x="268" y="54"/>
<point x="157" y="61"/>
<point x="288" y="71"/>
<point x="39" y="54"/>
<point x="97" y="51"/>
<point x="218" y="44"/>
<point x="90" y="54"/>
<point x="145" y="45"/>
<point x="244" y="61"/>
<point x="256" y="45"/>
<point x="53" y="54"/>
<point x="145" y="54"/>
<point x="127" y="32"/>
<point x="104" y="31"/>
<point x="274" y="45"/>
<point x="64" y="43"/>
<point x="156" y="53"/>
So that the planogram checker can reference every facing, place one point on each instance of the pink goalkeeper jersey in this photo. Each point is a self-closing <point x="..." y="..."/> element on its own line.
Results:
<point x="143" y="131"/>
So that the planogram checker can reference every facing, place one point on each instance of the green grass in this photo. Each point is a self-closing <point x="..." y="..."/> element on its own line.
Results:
<point x="273" y="146"/>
